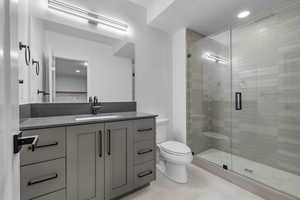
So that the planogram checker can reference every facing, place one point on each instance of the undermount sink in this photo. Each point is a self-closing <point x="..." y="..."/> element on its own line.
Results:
<point x="97" y="117"/>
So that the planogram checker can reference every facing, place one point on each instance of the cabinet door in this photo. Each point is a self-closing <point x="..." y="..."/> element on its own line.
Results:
<point x="85" y="162"/>
<point x="118" y="158"/>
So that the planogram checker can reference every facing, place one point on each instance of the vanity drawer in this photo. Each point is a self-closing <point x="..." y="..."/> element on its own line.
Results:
<point x="144" y="151"/>
<point x="51" y="145"/>
<point x="144" y="173"/>
<point x="42" y="178"/>
<point x="59" y="195"/>
<point x="144" y="129"/>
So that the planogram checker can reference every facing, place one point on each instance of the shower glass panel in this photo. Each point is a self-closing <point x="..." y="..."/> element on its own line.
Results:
<point x="266" y="71"/>
<point x="209" y="99"/>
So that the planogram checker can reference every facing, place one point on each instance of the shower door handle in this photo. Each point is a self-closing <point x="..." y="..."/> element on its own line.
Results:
<point x="238" y="101"/>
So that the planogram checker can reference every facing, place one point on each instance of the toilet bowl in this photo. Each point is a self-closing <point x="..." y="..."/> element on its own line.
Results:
<point x="174" y="156"/>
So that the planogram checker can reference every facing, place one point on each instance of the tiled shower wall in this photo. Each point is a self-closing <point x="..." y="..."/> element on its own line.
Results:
<point x="266" y="69"/>
<point x="209" y="95"/>
<point x="196" y="141"/>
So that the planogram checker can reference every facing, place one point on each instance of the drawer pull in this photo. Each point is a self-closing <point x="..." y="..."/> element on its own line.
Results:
<point x="108" y="142"/>
<point x="44" y="146"/>
<point x="42" y="180"/>
<point x="144" y="151"/>
<point x="100" y="144"/>
<point x="144" y="130"/>
<point x="145" y="173"/>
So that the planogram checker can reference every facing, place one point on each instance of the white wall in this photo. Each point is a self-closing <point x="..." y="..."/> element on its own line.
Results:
<point x="152" y="55"/>
<point x="179" y="62"/>
<point x="23" y="36"/>
<point x="153" y="74"/>
<point x="153" y="69"/>
<point x="37" y="38"/>
<point x="153" y="61"/>
<point x="109" y="77"/>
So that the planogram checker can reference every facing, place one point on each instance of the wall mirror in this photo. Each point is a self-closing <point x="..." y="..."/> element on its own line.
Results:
<point x="67" y="61"/>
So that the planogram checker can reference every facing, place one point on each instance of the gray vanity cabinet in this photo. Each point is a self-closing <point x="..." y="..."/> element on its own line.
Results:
<point x="100" y="161"/>
<point x="85" y="162"/>
<point x="118" y="158"/>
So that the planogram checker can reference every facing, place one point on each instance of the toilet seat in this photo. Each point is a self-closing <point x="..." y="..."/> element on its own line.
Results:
<point x="175" y="148"/>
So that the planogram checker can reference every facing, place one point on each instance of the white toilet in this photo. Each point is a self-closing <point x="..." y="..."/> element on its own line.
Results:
<point x="172" y="156"/>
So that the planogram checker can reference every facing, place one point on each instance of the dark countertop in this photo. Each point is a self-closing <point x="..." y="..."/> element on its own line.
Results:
<point x="70" y="120"/>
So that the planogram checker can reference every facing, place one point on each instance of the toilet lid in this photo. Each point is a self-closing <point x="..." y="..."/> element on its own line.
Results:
<point x="174" y="147"/>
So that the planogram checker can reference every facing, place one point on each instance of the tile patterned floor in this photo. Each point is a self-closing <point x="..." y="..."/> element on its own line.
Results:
<point x="202" y="185"/>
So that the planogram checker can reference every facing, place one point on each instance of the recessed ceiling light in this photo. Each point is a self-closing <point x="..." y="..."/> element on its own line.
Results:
<point x="243" y="14"/>
<point x="77" y="71"/>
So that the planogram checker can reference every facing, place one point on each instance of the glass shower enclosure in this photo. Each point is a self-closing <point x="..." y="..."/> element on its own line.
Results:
<point x="243" y="101"/>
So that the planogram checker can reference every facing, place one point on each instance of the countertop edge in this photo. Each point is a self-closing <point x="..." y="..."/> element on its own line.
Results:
<point x="78" y="123"/>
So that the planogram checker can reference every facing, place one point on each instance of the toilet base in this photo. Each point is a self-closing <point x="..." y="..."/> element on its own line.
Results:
<point x="161" y="166"/>
<point x="173" y="166"/>
<point x="176" y="173"/>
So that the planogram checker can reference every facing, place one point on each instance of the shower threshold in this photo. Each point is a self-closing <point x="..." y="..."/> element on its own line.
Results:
<point x="276" y="178"/>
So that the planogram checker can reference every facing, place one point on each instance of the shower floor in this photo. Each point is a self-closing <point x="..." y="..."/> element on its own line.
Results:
<point x="276" y="178"/>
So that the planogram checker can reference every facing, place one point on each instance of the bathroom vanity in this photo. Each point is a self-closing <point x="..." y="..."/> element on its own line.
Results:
<point x="81" y="157"/>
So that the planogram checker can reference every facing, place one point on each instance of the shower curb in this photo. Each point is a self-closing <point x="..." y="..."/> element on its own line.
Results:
<point x="248" y="184"/>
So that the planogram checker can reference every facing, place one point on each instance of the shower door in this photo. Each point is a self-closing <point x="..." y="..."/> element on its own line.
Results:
<point x="209" y="99"/>
<point x="266" y="100"/>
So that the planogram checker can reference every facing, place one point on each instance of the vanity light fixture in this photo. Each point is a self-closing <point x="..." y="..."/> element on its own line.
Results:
<point x="77" y="71"/>
<point x="92" y="17"/>
<point x="215" y="58"/>
<point x="243" y="14"/>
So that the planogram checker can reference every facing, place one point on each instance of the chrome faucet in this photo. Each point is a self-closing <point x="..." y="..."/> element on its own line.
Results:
<point x="95" y="105"/>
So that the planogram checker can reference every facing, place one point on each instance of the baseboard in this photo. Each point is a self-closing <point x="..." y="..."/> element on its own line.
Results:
<point x="248" y="184"/>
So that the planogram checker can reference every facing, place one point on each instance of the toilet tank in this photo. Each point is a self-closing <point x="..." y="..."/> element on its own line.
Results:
<point x="161" y="130"/>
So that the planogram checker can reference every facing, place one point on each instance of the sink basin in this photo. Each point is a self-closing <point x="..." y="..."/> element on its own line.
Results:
<point x="96" y="117"/>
